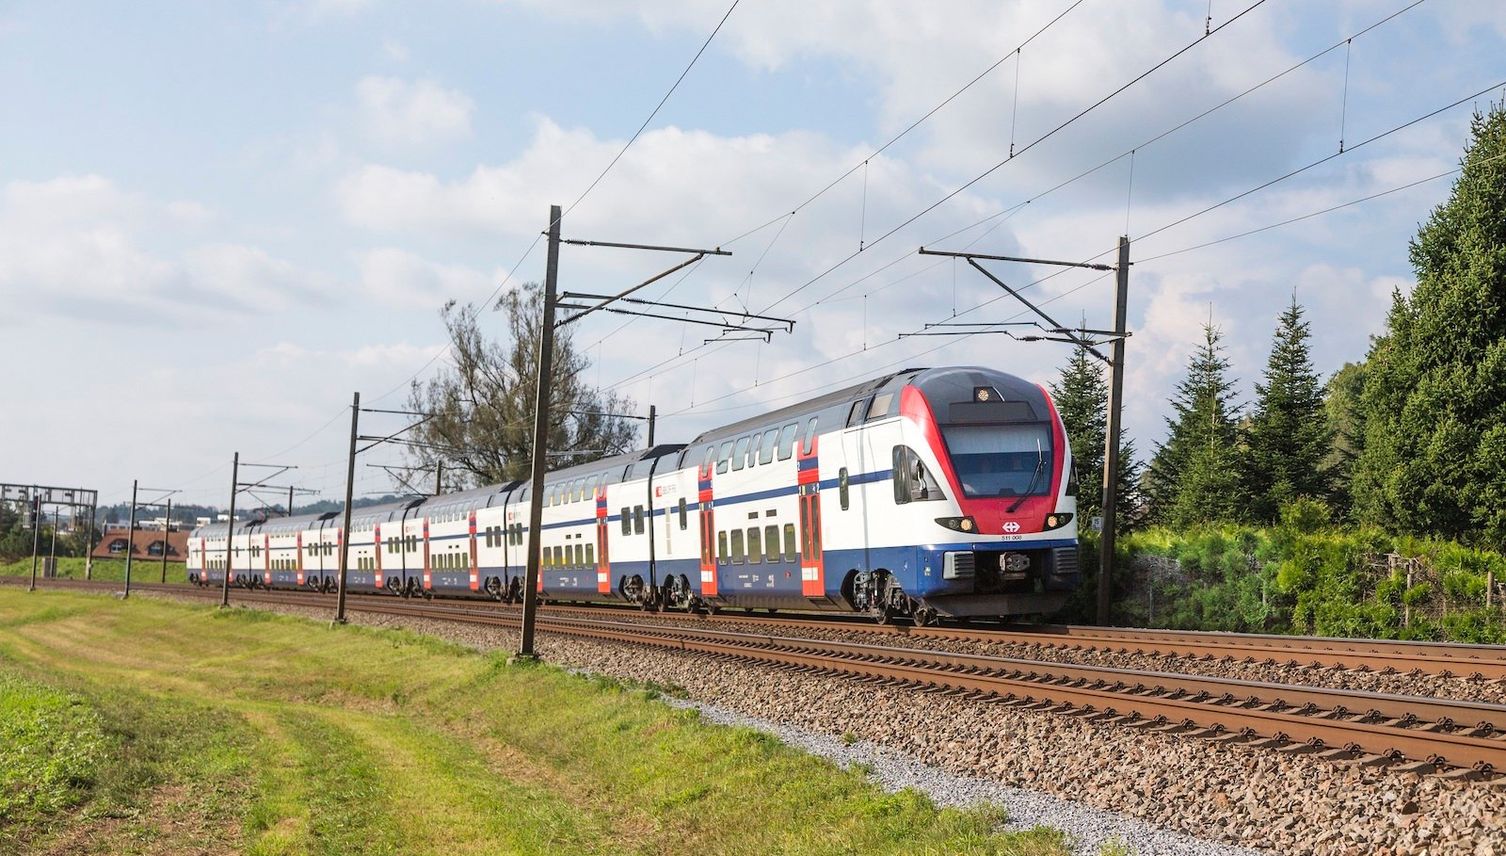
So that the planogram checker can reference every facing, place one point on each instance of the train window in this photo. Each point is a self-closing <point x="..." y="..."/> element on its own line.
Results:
<point x="755" y="545"/>
<point x="737" y="547"/>
<point x="740" y="454"/>
<point x="842" y="492"/>
<point x="810" y="436"/>
<point x="753" y="449"/>
<point x="880" y="406"/>
<point x="547" y="560"/>
<point x="724" y="457"/>
<point x="787" y="440"/>
<point x="684" y="522"/>
<point x="559" y="557"/>
<point x="710" y="456"/>
<point x="912" y="481"/>
<point x="627" y="521"/>
<point x="766" y="451"/>
<point x="721" y="543"/>
<point x="771" y="543"/>
<point x="791" y="548"/>
<point x="855" y="414"/>
<point x="638" y="519"/>
<point x="591" y="555"/>
<point x="580" y="554"/>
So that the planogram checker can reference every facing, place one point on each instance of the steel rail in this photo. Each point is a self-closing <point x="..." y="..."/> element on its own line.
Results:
<point x="1382" y="728"/>
<point x="1486" y="662"/>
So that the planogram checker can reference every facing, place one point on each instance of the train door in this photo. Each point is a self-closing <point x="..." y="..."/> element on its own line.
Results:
<point x="603" y="564"/>
<point x="708" y="527"/>
<point x="808" y="481"/>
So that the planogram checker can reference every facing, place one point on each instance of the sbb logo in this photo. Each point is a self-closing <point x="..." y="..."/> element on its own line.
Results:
<point x="1011" y="526"/>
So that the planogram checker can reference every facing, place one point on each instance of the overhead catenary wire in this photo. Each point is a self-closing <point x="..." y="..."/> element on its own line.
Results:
<point x="1090" y="171"/>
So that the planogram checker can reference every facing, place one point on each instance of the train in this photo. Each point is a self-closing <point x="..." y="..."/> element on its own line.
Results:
<point x="924" y="494"/>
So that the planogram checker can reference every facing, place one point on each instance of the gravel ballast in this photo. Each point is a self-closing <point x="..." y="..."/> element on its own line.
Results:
<point x="1233" y="795"/>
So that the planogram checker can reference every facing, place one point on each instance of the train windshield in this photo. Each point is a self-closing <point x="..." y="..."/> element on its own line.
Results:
<point x="1001" y="460"/>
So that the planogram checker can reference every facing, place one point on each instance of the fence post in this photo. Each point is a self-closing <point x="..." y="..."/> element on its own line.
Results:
<point x="1406" y="603"/>
<point x="1490" y="585"/>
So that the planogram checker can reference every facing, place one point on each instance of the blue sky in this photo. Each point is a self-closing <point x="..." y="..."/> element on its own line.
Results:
<point x="217" y="220"/>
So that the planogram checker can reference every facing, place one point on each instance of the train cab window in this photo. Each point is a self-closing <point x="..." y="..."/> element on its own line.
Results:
<point x="684" y="522"/>
<point x="755" y="545"/>
<point x="855" y="413"/>
<point x="740" y="453"/>
<point x="842" y="491"/>
<point x="627" y="521"/>
<point x="737" y="547"/>
<point x="810" y="436"/>
<point x="771" y="543"/>
<point x="766" y="450"/>
<point x="724" y="457"/>
<point x="721" y="543"/>
<point x="912" y="481"/>
<point x="791" y="551"/>
<point x="787" y="440"/>
<point x="882" y="403"/>
<point x="638" y="519"/>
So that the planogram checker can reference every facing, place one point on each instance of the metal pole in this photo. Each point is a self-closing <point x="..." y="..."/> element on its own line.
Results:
<point x="1111" y="439"/>
<point x="52" y="552"/>
<point x="350" y="486"/>
<point x="540" y="435"/>
<point x="290" y="500"/>
<point x="167" y="529"/>
<point x="130" y="540"/>
<point x="235" y="480"/>
<point x="36" y="538"/>
<point x="438" y="477"/>
<point x="653" y="412"/>
<point x="89" y="542"/>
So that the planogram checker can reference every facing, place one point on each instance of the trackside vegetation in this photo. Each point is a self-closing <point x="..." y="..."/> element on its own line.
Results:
<point x="158" y="727"/>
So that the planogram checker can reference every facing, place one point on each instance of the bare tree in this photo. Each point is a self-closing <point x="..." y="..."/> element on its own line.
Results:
<point x="482" y="401"/>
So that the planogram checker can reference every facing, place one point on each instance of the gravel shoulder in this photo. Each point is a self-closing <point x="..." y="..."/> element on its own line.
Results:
<point x="1155" y="793"/>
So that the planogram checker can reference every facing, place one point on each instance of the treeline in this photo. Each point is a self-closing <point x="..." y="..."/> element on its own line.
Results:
<point x="1410" y="440"/>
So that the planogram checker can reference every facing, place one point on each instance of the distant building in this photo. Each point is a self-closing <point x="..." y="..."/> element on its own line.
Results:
<point x="143" y="544"/>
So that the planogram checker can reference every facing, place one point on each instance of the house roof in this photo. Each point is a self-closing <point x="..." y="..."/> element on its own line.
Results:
<point x="141" y="542"/>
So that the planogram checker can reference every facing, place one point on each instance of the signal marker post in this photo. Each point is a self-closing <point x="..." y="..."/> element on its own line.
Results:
<point x="130" y="540"/>
<point x="235" y="480"/>
<point x="350" y="486"/>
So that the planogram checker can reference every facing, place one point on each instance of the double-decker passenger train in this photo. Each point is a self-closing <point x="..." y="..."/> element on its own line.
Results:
<point x="923" y="493"/>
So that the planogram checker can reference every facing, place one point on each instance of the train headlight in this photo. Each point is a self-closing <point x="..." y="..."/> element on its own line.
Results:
<point x="1058" y="520"/>
<point x="959" y="524"/>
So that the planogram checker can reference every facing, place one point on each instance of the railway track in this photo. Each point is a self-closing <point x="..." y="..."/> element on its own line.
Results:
<point x="1457" y="739"/>
<point x="1483" y="662"/>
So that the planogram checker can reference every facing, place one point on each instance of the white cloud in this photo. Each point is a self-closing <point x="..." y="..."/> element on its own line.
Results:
<point x="395" y="50"/>
<point x="79" y="246"/>
<point x="399" y="112"/>
<point x="402" y="279"/>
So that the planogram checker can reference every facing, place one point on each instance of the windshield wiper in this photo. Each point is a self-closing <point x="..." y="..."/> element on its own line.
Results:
<point x="1040" y="464"/>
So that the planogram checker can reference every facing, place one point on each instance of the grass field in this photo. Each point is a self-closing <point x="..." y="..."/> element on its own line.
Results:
<point x="158" y="727"/>
<point x="72" y="567"/>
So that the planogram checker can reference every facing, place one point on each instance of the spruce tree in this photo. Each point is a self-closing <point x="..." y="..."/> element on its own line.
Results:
<point x="1346" y="425"/>
<point x="1289" y="434"/>
<point x="1194" y="476"/>
<point x="1082" y="401"/>
<point x="1434" y="459"/>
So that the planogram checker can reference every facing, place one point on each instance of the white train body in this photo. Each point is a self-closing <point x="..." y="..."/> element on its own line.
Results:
<point x="926" y="492"/>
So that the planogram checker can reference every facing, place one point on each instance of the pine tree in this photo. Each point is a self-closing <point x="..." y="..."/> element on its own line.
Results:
<point x="1346" y="425"/>
<point x="1194" y="475"/>
<point x="1289" y="434"/>
<point x="1434" y="459"/>
<point x="1082" y="401"/>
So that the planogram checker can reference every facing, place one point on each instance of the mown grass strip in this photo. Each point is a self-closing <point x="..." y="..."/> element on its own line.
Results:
<point x="277" y="735"/>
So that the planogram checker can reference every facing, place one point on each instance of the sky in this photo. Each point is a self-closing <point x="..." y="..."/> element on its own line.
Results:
<point x="218" y="220"/>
